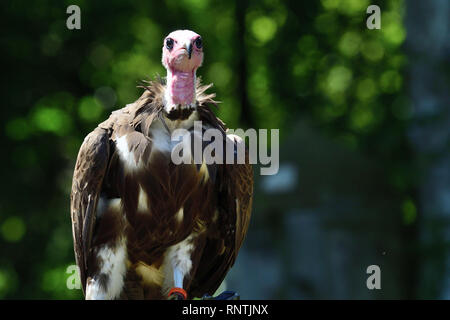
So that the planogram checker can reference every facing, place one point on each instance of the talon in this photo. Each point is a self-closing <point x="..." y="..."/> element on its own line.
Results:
<point x="177" y="294"/>
<point x="226" y="295"/>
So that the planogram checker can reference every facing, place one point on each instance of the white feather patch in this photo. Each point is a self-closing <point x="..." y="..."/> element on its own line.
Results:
<point x="160" y="137"/>
<point x="204" y="171"/>
<point x="143" y="201"/>
<point x="113" y="265"/>
<point x="124" y="153"/>
<point x="235" y="138"/>
<point x="94" y="291"/>
<point x="179" y="215"/>
<point x="107" y="204"/>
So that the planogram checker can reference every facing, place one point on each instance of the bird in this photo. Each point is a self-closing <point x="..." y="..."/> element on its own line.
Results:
<point x="144" y="227"/>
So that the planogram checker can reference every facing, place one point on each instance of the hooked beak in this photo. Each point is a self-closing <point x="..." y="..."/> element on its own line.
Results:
<point x="189" y="50"/>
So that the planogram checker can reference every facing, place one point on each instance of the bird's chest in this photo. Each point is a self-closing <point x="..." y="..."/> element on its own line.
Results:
<point x="165" y="135"/>
<point x="137" y="151"/>
<point x="161" y="199"/>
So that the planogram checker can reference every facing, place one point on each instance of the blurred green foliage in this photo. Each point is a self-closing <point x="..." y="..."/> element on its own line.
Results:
<point x="312" y="59"/>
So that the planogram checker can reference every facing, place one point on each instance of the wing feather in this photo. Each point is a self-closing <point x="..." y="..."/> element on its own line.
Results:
<point x="235" y="203"/>
<point x="90" y="168"/>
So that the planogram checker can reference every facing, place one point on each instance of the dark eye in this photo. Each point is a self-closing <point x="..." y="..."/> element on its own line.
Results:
<point x="169" y="43"/>
<point x="198" y="43"/>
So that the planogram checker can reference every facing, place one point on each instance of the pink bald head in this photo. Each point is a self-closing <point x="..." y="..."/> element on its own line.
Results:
<point x="182" y="55"/>
<point x="182" y="51"/>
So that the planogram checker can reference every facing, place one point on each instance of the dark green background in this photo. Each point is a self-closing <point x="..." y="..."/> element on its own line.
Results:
<point x="356" y="175"/>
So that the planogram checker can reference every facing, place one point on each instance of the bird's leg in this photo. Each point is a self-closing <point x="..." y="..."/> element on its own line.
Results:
<point x="178" y="267"/>
<point x="177" y="292"/>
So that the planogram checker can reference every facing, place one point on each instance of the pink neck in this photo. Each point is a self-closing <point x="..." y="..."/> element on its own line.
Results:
<point x="181" y="87"/>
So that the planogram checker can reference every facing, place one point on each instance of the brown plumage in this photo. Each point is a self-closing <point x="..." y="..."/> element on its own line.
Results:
<point x="135" y="213"/>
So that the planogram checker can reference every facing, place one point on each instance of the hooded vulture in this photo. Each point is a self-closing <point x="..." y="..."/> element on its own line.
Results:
<point x="143" y="226"/>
